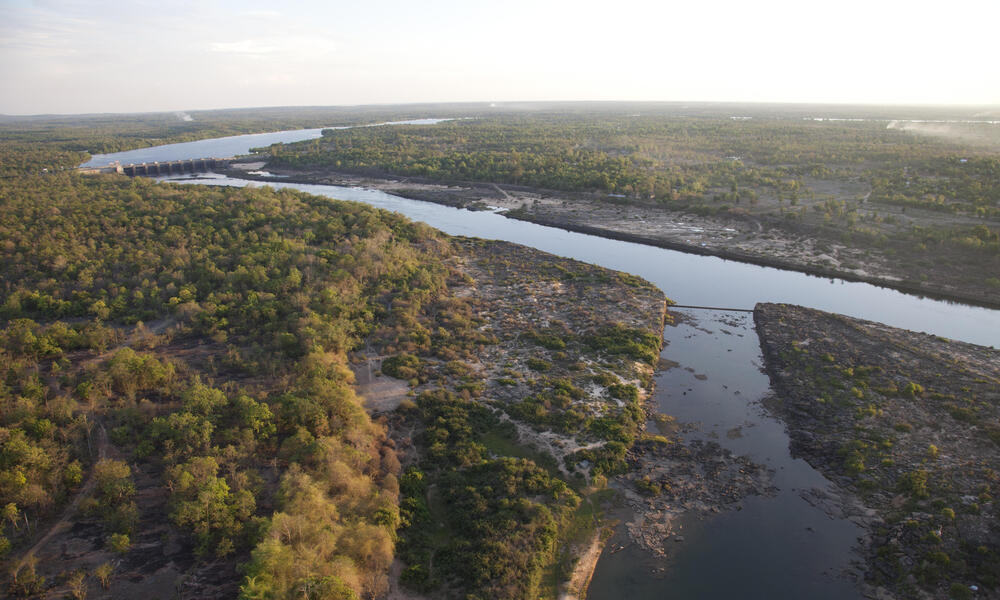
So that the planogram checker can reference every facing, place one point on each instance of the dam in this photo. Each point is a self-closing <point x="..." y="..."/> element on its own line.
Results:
<point x="150" y="169"/>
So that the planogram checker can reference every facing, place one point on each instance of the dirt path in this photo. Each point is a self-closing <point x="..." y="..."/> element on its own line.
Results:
<point x="583" y="571"/>
<point x="152" y="328"/>
<point x="502" y="191"/>
<point x="65" y="519"/>
<point x="103" y="448"/>
<point x="396" y="590"/>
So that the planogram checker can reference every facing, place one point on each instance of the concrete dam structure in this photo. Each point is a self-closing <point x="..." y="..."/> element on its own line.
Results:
<point x="152" y="169"/>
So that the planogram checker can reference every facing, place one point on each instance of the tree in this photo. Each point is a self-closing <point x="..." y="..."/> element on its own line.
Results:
<point x="204" y="503"/>
<point x="103" y="572"/>
<point x="77" y="583"/>
<point x="114" y="481"/>
<point x="119" y="542"/>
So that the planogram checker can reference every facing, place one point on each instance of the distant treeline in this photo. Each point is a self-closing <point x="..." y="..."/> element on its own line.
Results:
<point x="677" y="162"/>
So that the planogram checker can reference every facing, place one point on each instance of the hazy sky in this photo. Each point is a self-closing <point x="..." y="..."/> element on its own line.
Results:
<point x="67" y="56"/>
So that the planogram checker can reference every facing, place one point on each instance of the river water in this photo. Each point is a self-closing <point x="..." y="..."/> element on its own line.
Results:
<point x="224" y="147"/>
<point x="775" y="546"/>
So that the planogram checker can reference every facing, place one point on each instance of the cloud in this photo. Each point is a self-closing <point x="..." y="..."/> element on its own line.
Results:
<point x="290" y="48"/>
<point x="54" y="35"/>
<point x="262" y="13"/>
<point x="244" y="47"/>
<point x="312" y="46"/>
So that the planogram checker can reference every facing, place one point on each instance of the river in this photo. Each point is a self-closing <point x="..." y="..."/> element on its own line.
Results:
<point x="225" y="147"/>
<point x="775" y="546"/>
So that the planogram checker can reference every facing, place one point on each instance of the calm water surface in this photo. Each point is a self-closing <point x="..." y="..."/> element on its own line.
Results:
<point x="774" y="547"/>
<point x="224" y="147"/>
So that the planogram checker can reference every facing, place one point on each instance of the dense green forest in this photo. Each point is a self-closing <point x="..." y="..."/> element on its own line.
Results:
<point x="176" y="372"/>
<point x="278" y="287"/>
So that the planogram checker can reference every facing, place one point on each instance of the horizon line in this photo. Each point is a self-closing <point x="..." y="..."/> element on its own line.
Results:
<point x="501" y="103"/>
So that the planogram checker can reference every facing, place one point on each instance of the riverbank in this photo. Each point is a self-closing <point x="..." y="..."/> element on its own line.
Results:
<point x="734" y="237"/>
<point x="557" y="381"/>
<point x="906" y="425"/>
<point x="583" y="571"/>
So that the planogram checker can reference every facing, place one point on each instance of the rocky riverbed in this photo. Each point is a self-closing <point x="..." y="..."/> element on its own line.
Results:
<point x="669" y="480"/>
<point x="567" y="369"/>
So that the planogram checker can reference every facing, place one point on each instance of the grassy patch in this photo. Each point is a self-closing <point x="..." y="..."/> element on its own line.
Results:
<point x="504" y="444"/>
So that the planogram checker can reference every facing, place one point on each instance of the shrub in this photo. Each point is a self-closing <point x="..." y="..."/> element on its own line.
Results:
<point x="103" y="573"/>
<point x="119" y="542"/>
<point x="537" y="364"/>
<point x="404" y="366"/>
<point x="914" y="483"/>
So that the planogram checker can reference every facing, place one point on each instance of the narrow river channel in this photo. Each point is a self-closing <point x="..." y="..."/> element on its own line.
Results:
<point x="775" y="546"/>
<point x="778" y="546"/>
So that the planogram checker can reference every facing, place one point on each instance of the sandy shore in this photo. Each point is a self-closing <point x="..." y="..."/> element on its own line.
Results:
<point x="576" y="587"/>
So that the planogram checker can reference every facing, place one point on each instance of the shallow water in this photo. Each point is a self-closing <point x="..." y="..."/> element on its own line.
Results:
<point x="773" y="547"/>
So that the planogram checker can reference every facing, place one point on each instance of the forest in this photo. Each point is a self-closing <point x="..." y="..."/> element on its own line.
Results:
<point x="178" y="393"/>
<point x="669" y="160"/>
<point x="276" y="287"/>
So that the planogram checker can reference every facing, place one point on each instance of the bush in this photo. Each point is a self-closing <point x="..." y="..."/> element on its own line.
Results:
<point x="647" y="487"/>
<point x="119" y="542"/>
<point x="546" y="340"/>
<point x="626" y="341"/>
<point x="914" y="483"/>
<point x="404" y="366"/>
<point x="628" y="392"/>
<point x="605" y="379"/>
<point x="103" y="573"/>
<point x="537" y="364"/>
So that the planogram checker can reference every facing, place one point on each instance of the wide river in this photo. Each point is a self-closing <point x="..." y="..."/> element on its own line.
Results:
<point x="775" y="546"/>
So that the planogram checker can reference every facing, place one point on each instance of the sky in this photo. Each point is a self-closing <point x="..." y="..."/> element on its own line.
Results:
<point x="74" y="56"/>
